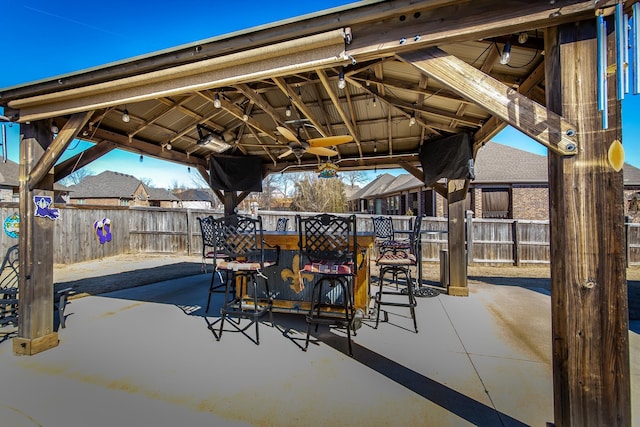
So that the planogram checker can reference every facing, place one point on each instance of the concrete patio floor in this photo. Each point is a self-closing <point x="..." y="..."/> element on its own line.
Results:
<point x="145" y="357"/>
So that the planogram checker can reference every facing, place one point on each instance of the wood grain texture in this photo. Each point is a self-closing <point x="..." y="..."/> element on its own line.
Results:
<point x="588" y="276"/>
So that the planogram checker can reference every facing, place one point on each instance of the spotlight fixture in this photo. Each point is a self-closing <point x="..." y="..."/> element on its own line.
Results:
<point x="211" y="139"/>
<point x="245" y="117"/>
<point x="54" y="128"/>
<point x="522" y="38"/>
<point x="412" y="119"/>
<point x="141" y="158"/>
<point x="287" y="112"/>
<point x="341" y="82"/>
<point x="125" y="116"/>
<point x="375" y="102"/>
<point x="167" y="146"/>
<point x="506" y="54"/>
<point x="216" y="100"/>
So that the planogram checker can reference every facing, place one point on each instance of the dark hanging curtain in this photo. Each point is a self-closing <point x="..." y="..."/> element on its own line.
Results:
<point x="450" y="157"/>
<point x="235" y="173"/>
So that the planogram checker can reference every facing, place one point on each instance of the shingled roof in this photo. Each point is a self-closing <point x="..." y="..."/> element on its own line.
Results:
<point x="501" y="164"/>
<point x="107" y="184"/>
<point x="161" y="194"/>
<point x="10" y="171"/>
<point x="495" y="164"/>
<point x="195" y="194"/>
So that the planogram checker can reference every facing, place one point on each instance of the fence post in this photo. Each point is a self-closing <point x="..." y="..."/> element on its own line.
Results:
<point x="516" y="243"/>
<point x="469" y="223"/>
<point x="627" y="245"/>
<point x="189" y="233"/>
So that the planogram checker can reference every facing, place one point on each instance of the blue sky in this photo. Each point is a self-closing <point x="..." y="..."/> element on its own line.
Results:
<point x="44" y="38"/>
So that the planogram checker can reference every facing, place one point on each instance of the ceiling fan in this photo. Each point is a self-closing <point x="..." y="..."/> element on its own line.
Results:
<point x="317" y="146"/>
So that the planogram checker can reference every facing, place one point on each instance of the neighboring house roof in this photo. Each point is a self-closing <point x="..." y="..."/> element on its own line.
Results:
<point x="377" y="186"/>
<point x="10" y="171"/>
<point x="496" y="163"/>
<point x="161" y="194"/>
<point x="631" y="175"/>
<point x="107" y="184"/>
<point x="195" y="194"/>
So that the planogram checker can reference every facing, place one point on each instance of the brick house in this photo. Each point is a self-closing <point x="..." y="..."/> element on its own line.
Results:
<point x="110" y="189"/>
<point x="509" y="183"/>
<point x="10" y="184"/>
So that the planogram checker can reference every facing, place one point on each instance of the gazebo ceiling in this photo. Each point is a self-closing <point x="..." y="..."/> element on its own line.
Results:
<point x="263" y="74"/>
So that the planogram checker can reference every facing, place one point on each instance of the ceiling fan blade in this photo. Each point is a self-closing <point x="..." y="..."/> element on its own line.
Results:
<point x="286" y="153"/>
<point x="321" y="151"/>
<point x="329" y="141"/>
<point x="287" y="133"/>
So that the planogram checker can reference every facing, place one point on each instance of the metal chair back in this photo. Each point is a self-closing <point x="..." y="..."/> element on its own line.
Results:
<point x="383" y="227"/>
<point x="239" y="237"/>
<point x="282" y="224"/>
<point x="327" y="238"/>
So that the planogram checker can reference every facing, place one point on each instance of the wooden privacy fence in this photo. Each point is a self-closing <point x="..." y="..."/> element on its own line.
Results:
<point x="176" y="231"/>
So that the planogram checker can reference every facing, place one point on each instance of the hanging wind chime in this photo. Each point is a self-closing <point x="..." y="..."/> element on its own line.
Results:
<point x="623" y="25"/>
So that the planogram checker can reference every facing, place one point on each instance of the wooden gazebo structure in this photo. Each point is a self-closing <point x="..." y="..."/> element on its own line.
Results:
<point x="391" y="74"/>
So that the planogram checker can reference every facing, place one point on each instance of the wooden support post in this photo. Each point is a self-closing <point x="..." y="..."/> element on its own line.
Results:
<point x="457" y="250"/>
<point x="230" y="202"/>
<point x="588" y="277"/>
<point x="35" y="324"/>
<point x="516" y="243"/>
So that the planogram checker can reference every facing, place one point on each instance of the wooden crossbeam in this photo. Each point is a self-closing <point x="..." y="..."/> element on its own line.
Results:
<point x="56" y="148"/>
<point x="546" y="127"/>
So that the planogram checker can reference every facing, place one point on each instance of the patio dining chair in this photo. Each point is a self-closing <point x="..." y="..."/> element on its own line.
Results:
<point x="240" y="238"/>
<point x="328" y="250"/>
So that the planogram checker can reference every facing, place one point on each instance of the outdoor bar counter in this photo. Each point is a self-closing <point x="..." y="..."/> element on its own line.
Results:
<point x="293" y="290"/>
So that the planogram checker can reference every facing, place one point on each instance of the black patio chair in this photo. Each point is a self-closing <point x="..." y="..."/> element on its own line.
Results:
<point x="240" y="238"/>
<point x="207" y="228"/>
<point x="328" y="249"/>
<point x="9" y="291"/>
<point x="399" y="263"/>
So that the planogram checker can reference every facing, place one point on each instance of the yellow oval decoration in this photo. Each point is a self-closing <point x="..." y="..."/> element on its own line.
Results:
<point x="616" y="155"/>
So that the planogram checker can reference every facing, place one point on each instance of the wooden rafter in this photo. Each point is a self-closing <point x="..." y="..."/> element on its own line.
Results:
<point x="546" y="127"/>
<point x="80" y="160"/>
<point x="170" y="106"/>
<point x="53" y="152"/>
<point x="494" y="124"/>
<point x="300" y="105"/>
<point x="338" y="107"/>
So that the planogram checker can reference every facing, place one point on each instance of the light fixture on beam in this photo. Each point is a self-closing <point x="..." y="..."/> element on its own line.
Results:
<point x="216" y="100"/>
<point x="506" y="54"/>
<point x="125" y="116"/>
<point x="287" y="112"/>
<point x="523" y="37"/>
<point x="412" y="119"/>
<point x="211" y="139"/>
<point x="341" y="81"/>
<point x="54" y="128"/>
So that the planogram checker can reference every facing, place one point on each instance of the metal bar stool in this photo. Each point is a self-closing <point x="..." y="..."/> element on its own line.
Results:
<point x="241" y="239"/>
<point x="398" y="262"/>
<point x="328" y="249"/>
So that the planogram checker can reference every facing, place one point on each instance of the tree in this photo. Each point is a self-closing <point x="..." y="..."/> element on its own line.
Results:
<point x="313" y="194"/>
<point x="76" y="177"/>
<point x="352" y="178"/>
